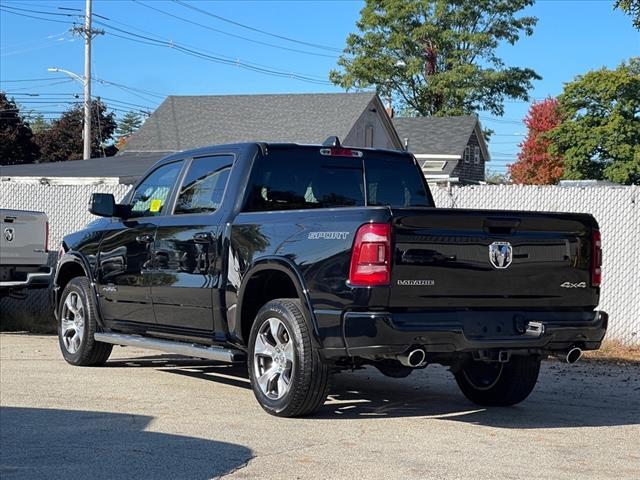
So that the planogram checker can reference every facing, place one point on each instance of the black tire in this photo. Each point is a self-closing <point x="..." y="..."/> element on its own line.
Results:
<point x="86" y="352"/>
<point x="499" y="384"/>
<point x="309" y="374"/>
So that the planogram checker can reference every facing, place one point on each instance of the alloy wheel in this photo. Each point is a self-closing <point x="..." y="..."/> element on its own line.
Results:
<point x="72" y="322"/>
<point x="273" y="358"/>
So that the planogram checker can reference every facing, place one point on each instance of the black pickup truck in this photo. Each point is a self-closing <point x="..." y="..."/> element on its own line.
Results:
<point x="306" y="260"/>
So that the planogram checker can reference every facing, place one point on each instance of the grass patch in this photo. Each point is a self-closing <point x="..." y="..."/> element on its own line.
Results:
<point x="614" y="351"/>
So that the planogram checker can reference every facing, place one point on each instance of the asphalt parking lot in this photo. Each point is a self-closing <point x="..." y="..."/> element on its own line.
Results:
<point x="148" y="415"/>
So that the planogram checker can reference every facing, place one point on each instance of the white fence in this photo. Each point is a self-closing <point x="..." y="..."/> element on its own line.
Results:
<point x="615" y="208"/>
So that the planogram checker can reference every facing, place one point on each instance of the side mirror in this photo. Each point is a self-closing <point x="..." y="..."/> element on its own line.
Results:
<point x="102" y="205"/>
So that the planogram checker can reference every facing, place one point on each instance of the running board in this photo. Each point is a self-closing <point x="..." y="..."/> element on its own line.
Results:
<point x="181" y="348"/>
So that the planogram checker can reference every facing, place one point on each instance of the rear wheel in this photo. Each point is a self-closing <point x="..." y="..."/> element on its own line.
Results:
<point x="288" y="376"/>
<point x="77" y="315"/>
<point x="499" y="384"/>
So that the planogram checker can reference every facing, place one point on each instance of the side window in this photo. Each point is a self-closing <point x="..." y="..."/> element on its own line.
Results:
<point x="150" y="196"/>
<point x="395" y="182"/>
<point x="476" y="155"/>
<point x="467" y="154"/>
<point x="203" y="186"/>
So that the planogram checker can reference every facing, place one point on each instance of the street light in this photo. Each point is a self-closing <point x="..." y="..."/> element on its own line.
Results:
<point x="75" y="76"/>
<point x="87" y="107"/>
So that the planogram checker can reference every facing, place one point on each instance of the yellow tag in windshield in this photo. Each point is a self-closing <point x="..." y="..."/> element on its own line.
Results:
<point x="156" y="205"/>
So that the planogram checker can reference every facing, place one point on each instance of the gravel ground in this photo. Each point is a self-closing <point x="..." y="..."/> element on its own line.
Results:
<point x="160" y="416"/>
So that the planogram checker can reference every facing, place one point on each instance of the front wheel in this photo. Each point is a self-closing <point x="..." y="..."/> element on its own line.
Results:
<point x="499" y="384"/>
<point x="77" y="314"/>
<point x="288" y="376"/>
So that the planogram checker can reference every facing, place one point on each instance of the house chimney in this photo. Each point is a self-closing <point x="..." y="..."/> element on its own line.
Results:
<point x="389" y="107"/>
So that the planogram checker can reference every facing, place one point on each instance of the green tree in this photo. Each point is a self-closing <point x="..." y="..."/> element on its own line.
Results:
<point x="631" y="8"/>
<point x="63" y="139"/>
<point x="438" y="57"/>
<point x="38" y="123"/>
<point x="16" y="138"/>
<point x="129" y="124"/>
<point x="599" y="136"/>
<point x="493" y="177"/>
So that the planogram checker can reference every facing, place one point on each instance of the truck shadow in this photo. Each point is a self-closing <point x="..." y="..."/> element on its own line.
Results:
<point x="223" y="373"/>
<point x="557" y="402"/>
<point x="43" y="443"/>
<point x="588" y="395"/>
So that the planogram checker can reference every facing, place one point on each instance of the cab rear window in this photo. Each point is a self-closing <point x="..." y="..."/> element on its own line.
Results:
<point x="292" y="180"/>
<point x="305" y="179"/>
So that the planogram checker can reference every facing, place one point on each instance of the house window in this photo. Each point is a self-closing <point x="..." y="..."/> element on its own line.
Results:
<point x="467" y="154"/>
<point x="476" y="155"/>
<point x="368" y="136"/>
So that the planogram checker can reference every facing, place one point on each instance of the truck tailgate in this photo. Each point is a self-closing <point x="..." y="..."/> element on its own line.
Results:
<point x="443" y="259"/>
<point x="23" y="237"/>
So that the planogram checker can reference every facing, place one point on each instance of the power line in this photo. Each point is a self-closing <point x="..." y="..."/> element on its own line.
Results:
<point x="216" y="58"/>
<point x="67" y="101"/>
<point x="192" y="22"/>
<point x="31" y="42"/>
<point x="3" y="9"/>
<point x="47" y="85"/>
<point x="50" y="43"/>
<point x="24" y="80"/>
<point x="40" y="11"/>
<point x="501" y="120"/>
<point x="282" y="37"/>
<point x="131" y="89"/>
<point x="202" y="54"/>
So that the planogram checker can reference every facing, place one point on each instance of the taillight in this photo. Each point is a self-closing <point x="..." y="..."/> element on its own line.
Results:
<point x="46" y="237"/>
<point x="596" y="258"/>
<point x="370" y="258"/>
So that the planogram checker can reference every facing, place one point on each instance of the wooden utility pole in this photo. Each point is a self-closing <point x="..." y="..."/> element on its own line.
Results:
<point x="88" y="33"/>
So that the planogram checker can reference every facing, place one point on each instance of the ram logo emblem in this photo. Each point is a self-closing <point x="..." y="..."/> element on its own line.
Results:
<point x="500" y="254"/>
<point x="9" y="234"/>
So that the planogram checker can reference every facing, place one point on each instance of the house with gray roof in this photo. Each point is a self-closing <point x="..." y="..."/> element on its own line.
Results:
<point x="185" y="122"/>
<point x="449" y="149"/>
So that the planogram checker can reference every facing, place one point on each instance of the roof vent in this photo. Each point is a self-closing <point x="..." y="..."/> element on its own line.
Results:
<point x="331" y="142"/>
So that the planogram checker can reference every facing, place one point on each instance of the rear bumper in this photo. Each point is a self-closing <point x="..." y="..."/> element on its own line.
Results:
<point x="39" y="279"/>
<point x="377" y="335"/>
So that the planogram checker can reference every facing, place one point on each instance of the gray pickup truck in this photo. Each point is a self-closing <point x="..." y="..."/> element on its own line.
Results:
<point x="24" y="238"/>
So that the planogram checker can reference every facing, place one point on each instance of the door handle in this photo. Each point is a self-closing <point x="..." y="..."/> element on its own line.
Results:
<point x="144" y="238"/>
<point x="203" y="237"/>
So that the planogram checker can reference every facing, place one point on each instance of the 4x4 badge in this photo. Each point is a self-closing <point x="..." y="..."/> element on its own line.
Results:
<point x="500" y="254"/>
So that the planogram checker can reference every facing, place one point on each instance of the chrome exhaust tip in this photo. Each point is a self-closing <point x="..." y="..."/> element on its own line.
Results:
<point x="571" y="356"/>
<point x="413" y="358"/>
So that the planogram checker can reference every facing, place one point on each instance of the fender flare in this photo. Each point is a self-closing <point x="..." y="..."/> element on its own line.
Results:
<point x="286" y="266"/>
<point x="78" y="259"/>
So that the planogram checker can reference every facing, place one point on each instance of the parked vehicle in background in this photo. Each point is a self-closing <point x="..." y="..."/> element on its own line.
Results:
<point x="24" y="238"/>
<point x="305" y="260"/>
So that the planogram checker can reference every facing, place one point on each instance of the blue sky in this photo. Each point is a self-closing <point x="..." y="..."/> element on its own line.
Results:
<point x="571" y="37"/>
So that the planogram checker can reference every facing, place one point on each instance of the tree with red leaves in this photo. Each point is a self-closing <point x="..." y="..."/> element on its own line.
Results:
<point x="536" y="164"/>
